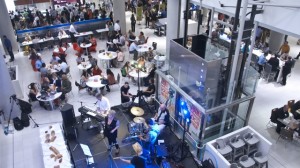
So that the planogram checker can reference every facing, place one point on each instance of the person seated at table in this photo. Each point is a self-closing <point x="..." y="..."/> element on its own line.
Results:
<point x="83" y="79"/>
<point x="54" y="59"/>
<point x="141" y="62"/>
<point x="133" y="50"/>
<point x="282" y="113"/>
<point x="48" y="34"/>
<point x="61" y="33"/>
<point x="142" y="38"/>
<point x="96" y="71"/>
<point x="261" y="62"/>
<point x="150" y="54"/>
<point x="80" y="40"/>
<point x="79" y="59"/>
<point x="44" y="71"/>
<point x="110" y="78"/>
<point x="33" y="91"/>
<point x="38" y="63"/>
<point x="93" y="41"/>
<point x="295" y="107"/>
<point x="119" y="58"/>
<point x="27" y="38"/>
<point x="122" y="40"/>
<point x="56" y="83"/>
<point x="66" y="86"/>
<point x="147" y="92"/>
<point x="112" y="47"/>
<point x="63" y="66"/>
<point x="45" y="82"/>
<point x="125" y="95"/>
<point x="258" y="44"/>
<point x="151" y="75"/>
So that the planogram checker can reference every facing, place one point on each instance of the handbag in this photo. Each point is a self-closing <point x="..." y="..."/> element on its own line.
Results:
<point x="104" y="81"/>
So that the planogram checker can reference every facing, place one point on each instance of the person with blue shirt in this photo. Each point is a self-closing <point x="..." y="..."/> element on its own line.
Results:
<point x="261" y="62"/>
<point x="38" y="63"/>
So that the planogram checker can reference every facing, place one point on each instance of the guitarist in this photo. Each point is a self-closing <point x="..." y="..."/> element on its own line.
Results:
<point x="137" y="161"/>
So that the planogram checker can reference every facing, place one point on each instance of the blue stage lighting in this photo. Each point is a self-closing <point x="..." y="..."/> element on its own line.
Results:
<point x="182" y="103"/>
<point x="185" y="112"/>
<point x="187" y="120"/>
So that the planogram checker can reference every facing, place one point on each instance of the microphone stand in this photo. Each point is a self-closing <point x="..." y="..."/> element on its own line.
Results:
<point x="12" y="99"/>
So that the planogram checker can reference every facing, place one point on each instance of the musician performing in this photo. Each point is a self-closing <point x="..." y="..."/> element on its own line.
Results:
<point x="103" y="107"/>
<point x="137" y="161"/>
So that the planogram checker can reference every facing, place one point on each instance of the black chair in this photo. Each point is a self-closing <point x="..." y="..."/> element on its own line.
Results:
<point x="273" y="118"/>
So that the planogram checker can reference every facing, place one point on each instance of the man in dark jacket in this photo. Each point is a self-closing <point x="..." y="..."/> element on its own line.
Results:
<point x="286" y="69"/>
<point x="282" y="113"/>
<point x="274" y="61"/>
<point x="8" y="47"/>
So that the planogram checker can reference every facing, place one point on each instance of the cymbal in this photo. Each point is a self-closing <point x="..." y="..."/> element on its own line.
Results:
<point x="139" y="120"/>
<point x="137" y="111"/>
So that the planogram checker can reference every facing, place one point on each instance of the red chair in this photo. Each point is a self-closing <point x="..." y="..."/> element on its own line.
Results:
<point x="77" y="48"/>
<point x="33" y="65"/>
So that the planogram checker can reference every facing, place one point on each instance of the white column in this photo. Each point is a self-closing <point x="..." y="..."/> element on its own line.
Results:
<point x="182" y="9"/>
<point x="275" y="41"/>
<point x="119" y="13"/>
<point x="172" y="23"/>
<point x="6" y="26"/>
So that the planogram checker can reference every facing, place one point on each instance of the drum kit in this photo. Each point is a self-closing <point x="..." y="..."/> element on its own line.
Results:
<point x="136" y="127"/>
<point x="137" y="111"/>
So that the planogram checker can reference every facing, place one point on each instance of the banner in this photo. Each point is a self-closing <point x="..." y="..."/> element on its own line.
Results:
<point x="165" y="91"/>
<point x="139" y="13"/>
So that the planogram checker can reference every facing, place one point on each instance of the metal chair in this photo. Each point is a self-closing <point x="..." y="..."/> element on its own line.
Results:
<point x="260" y="160"/>
<point x="251" y="142"/>
<point x="286" y="134"/>
<point x="246" y="162"/>
<point x="224" y="149"/>
<point x="237" y="145"/>
<point x="268" y="73"/>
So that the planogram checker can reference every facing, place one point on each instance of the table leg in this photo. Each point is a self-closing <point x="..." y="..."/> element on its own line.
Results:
<point x="51" y="104"/>
<point x="86" y="51"/>
<point x="108" y="64"/>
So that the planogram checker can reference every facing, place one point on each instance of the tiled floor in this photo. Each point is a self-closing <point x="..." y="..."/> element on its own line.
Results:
<point x="22" y="149"/>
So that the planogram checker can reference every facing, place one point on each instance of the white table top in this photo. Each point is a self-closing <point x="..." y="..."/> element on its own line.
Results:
<point x="141" y="74"/>
<point x="95" y="82"/>
<point x="83" y="34"/>
<point x="59" y="143"/>
<point x="62" y="37"/>
<point x="82" y="67"/>
<point x="24" y="43"/>
<point x="102" y="30"/>
<point x="49" y="98"/>
<point x="56" y="49"/>
<point x="104" y="56"/>
<point x="83" y="45"/>
<point x="143" y="48"/>
<point x="48" y="39"/>
<point x="160" y="58"/>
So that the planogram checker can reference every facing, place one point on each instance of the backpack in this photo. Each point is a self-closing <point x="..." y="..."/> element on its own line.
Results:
<point x="123" y="72"/>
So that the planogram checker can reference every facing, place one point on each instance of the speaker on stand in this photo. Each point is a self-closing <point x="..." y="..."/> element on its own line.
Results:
<point x="69" y="121"/>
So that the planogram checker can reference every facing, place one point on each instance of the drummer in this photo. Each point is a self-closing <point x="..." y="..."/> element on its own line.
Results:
<point x="148" y="141"/>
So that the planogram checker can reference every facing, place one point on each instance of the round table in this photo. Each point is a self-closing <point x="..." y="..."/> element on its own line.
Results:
<point x="86" y="46"/>
<point x="143" y="48"/>
<point x="57" y="50"/>
<point x="84" y="65"/>
<point x="141" y="74"/>
<point x="49" y="98"/>
<point x="51" y="69"/>
<point x="95" y="82"/>
<point x="107" y="56"/>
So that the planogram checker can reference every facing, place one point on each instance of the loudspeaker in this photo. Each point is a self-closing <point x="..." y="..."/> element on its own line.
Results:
<point x="25" y="106"/>
<point x="25" y="119"/>
<point x="68" y="115"/>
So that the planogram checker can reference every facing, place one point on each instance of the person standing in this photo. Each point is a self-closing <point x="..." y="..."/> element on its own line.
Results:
<point x="72" y="31"/>
<point x="103" y="106"/>
<point x="133" y="21"/>
<point x="285" y="48"/>
<point x="8" y="47"/>
<point x="147" y="17"/>
<point x="111" y="130"/>
<point x="287" y="68"/>
<point x="125" y="95"/>
<point x="137" y="161"/>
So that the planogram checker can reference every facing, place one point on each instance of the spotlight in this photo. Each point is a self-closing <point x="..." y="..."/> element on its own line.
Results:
<point x="185" y="112"/>
<point x="182" y="103"/>
<point x="187" y="120"/>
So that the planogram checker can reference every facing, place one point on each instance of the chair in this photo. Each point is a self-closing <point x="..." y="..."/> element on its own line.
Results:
<point x="273" y="118"/>
<point x="68" y="73"/>
<point x="93" y="47"/>
<point x="89" y="157"/>
<point x="77" y="48"/>
<point x="154" y="45"/>
<point x="260" y="160"/>
<point x="286" y="134"/>
<point x="251" y="142"/>
<point x="246" y="162"/>
<point x="224" y="149"/>
<point x="268" y="73"/>
<point x="238" y="146"/>
<point x="118" y="80"/>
